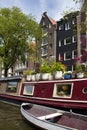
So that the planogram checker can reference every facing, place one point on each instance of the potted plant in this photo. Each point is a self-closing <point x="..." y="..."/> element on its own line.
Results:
<point x="28" y="74"/>
<point x="57" y="69"/>
<point x="33" y="75"/>
<point x="68" y="75"/>
<point x="45" y="70"/>
<point x="79" y="70"/>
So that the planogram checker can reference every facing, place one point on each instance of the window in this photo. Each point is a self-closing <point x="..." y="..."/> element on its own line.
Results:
<point x="84" y="90"/>
<point x="74" y="39"/>
<point x="61" y="27"/>
<point x="73" y="21"/>
<point x="49" y="25"/>
<point x="60" y="57"/>
<point x="44" y="30"/>
<point x="59" y="43"/>
<point x="44" y="23"/>
<point x="74" y="54"/>
<point x="44" y="50"/>
<point x="67" y="26"/>
<point x="44" y="42"/>
<point x="28" y="89"/>
<point x="68" y="55"/>
<point x="62" y="90"/>
<point x="67" y="41"/>
<point x="12" y="86"/>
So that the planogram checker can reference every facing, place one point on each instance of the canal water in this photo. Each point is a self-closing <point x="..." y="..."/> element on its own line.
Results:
<point x="11" y="118"/>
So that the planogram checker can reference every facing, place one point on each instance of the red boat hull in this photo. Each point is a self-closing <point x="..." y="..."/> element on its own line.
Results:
<point x="46" y="93"/>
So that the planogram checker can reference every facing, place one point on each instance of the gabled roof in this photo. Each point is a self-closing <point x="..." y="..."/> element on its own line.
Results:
<point x="51" y="20"/>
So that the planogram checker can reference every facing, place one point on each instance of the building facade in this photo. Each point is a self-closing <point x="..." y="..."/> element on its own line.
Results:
<point x="83" y="34"/>
<point x="67" y="41"/>
<point x="48" y="45"/>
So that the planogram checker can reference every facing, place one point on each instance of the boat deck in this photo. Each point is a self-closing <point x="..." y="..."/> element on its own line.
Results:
<point x="77" y="122"/>
<point x="38" y="111"/>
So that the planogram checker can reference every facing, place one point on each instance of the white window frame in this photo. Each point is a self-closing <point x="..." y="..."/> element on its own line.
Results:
<point x="74" y="38"/>
<point x="65" y="41"/>
<point x="73" y="21"/>
<point x="73" y="54"/>
<point x="60" y="58"/>
<point x="65" y="56"/>
<point x="28" y="92"/>
<point x="44" y="42"/>
<point x="43" y="51"/>
<point x="60" y="43"/>
<point x="67" y="26"/>
<point x="62" y="96"/>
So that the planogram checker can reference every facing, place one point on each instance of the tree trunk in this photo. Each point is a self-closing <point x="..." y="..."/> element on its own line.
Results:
<point x="6" y="72"/>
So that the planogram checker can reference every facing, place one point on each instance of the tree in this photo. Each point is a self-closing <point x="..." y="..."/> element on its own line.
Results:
<point x="83" y="13"/>
<point x="83" y="4"/>
<point x="15" y="30"/>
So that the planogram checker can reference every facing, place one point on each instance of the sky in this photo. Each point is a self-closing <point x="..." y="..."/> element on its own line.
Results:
<point x="54" y="8"/>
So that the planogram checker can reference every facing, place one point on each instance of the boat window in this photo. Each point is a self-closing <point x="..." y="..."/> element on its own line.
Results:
<point x="62" y="90"/>
<point x="12" y="86"/>
<point x="84" y="90"/>
<point x="28" y="89"/>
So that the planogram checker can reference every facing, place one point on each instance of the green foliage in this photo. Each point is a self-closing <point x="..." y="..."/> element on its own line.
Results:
<point x="78" y="68"/>
<point x="85" y="74"/>
<point x="70" y="14"/>
<point x="83" y="67"/>
<point x="15" y="30"/>
<point x="58" y="66"/>
<point x="29" y="72"/>
<point x="45" y="68"/>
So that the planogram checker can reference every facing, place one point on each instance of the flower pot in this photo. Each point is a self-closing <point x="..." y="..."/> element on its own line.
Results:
<point x="80" y="75"/>
<point x="29" y="77"/>
<point x="67" y="76"/>
<point x="45" y="76"/>
<point x="50" y="76"/>
<point x="33" y="77"/>
<point x="58" y="75"/>
<point x="38" y="76"/>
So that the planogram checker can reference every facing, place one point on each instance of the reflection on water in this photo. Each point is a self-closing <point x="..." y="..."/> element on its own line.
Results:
<point x="10" y="118"/>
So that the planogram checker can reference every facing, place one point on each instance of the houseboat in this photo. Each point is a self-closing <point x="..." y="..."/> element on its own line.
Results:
<point x="65" y="93"/>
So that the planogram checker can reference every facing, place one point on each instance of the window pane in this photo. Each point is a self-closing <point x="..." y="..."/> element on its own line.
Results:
<point x="28" y="89"/>
<point x="67" y="41"/>
<point x="68" y="55"/>
<point x="62" y="90"/>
